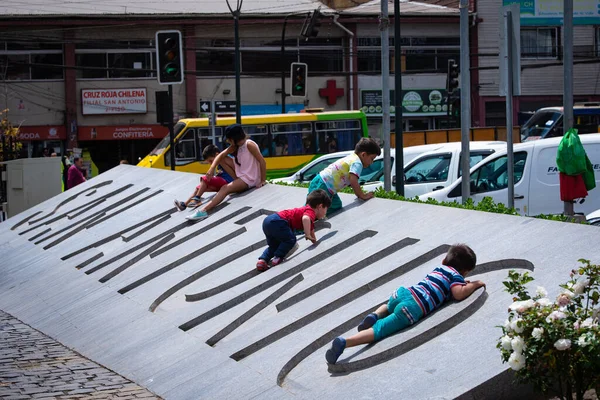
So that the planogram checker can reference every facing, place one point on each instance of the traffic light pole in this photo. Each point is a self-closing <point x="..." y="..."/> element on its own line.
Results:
<point x="171" y="130"/>
<point x="283" y="93"/>
<point x="238" y="96"/>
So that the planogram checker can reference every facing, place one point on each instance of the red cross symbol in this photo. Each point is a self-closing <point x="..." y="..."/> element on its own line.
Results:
<point x="331" y="92"/>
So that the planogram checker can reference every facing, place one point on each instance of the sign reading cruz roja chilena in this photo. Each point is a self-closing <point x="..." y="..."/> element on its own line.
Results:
<point x="113" y="101"/>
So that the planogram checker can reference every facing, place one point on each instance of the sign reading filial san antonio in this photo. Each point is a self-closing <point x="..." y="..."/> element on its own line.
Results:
<point x="416" y="102"/>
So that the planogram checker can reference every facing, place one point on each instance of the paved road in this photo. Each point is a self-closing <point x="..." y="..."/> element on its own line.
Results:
<point x="34" y="366"/>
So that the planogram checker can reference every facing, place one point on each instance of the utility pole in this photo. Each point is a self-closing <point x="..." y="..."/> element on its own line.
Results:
<point x="465" y="99"/>
<point x="385" y="93"/>
<point x="236" y="32"/>
<point x="398" y="128"/>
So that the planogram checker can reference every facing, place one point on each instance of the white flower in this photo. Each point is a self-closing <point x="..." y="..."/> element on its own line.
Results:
<point x="514" y="325"/>
<point x="588" y="323"/>
<point x="537" y="333"/>
<point x="582" y="342"/>
<point x="555" y="315"/>
<point x="522" y="306"/>
<point x="564" y="298"/>
<point x="505" y="342"/>
<point x="562" y="344"/>
<point x="516" y="361"/>
<point x="544" y="301"/>
<point x="576" y="324"/>
<point x="580" y="286"/>
<point x="541" y="291"/>
<point x="518" y="344"/>
<point x="507" y="325"/>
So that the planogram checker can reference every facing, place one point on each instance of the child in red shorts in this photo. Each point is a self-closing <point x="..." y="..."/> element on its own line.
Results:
<point x="279" y="228"/>
<point x="224" y="174"/>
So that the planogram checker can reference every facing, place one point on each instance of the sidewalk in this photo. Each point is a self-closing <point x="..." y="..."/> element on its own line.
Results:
<point x="34" y="366"/>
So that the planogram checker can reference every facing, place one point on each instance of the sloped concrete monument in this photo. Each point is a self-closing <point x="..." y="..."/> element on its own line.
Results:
<point x="112" y="270"/>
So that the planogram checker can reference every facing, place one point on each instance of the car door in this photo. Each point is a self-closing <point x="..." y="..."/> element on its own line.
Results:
<point x="491" y="179"/>
<point x="426" y="173"/>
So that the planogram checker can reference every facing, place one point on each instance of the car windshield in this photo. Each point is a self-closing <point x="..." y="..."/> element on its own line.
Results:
<point x="540" y="124"/>
<point x="164" y="143"/>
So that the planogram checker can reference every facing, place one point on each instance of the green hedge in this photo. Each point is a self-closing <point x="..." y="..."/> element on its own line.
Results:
<point x="487" y="204"/>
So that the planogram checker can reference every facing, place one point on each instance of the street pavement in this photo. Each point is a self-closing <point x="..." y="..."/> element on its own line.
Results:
<point x="34" y="366"/>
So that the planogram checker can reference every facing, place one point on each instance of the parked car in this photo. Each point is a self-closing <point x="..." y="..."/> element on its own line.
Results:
<point x="537" y="189"/>
<point x="372" y="173"/>
<point x="438" y="168"/>
<point x="593" y="218"/>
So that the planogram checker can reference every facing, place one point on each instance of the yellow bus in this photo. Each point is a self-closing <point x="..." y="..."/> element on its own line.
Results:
<point x="287" y="141"/>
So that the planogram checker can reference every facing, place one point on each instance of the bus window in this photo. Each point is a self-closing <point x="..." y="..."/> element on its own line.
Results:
<point x="259" y="134"/>
<point x="205" y="138"/>
<point x="185" y="148"/>
<point x="588" y="123"/>
<point x="337" y="135"/>
<point x="292" y="139"/>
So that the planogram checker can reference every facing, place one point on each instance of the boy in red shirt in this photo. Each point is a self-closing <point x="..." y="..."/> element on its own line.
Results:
<point x="279" y="228"/>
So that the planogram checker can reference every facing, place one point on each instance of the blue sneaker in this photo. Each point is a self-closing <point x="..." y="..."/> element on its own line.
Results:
<point x="337" y="348"/>
<point x="368" y="322"/>
<point x="198" y="216"/>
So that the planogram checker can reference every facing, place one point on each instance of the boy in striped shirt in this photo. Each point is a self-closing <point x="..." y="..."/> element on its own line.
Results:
<point x="408" y="305"/>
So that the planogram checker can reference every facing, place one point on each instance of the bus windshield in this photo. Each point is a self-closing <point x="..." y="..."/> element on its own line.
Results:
<point x="540" y="124"/>
<point x="164" y="143"/>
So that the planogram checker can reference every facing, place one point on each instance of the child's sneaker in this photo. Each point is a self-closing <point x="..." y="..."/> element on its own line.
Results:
<point x="262" y="265"/>
<point x="368" y="322"/>
<point x="275" y="261"/>
<point x="195" y="202"/>
<point x="293" y="250"/>
<point x="337" y="348"/>
<point x="180" y="205"/>
<point x="198" y="215"/>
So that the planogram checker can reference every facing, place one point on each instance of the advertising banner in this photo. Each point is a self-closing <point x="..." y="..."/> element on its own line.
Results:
<point x="113" y="101"/>
<point x="415" y="102"/>
<point x="122" y="132"/>
<point x="46" y="132"/>
<point x="550" y="12"/>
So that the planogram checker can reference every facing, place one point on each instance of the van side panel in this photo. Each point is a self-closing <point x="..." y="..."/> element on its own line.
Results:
<point x="544" y="195"/>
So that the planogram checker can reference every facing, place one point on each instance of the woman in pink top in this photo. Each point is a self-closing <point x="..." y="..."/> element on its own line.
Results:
<point x="250" y="168"/>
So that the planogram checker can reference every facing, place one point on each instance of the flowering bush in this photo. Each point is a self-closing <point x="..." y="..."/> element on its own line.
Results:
<point x="9" y="138"/>
<point x="555" y="345"/>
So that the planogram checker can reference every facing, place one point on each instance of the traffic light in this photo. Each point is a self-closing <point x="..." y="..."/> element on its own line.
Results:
<point x="169" y="57"/>
<point x="299" y="73"/>
<point x="452" y="76"/>
<point x="311" y="25"/>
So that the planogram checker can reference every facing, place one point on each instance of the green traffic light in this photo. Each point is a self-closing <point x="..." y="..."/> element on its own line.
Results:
<point x="171" y="70"/>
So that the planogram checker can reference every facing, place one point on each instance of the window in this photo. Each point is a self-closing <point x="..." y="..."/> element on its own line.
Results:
<point x="291" y="139"/>
<point x="205" y="137"/>
<point x="373" y="172"/>
<point x="419" y="53"/>
<point x="429" y="169"/>
<point x="474" y="159"/>
<point x="115" y="60"/>
<point x="539" y="43"/>
<point x="31" y="61"/>
<point x="259" y="134"/>
<point x="337" y="135"/>
<point x="185" y="148"/>
<point x="597" y="41"/>
<point x="262" y="56"/>
<point x="492" y="176"/>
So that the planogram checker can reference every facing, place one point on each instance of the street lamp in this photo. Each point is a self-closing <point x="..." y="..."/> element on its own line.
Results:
<point x="238" y="100"/>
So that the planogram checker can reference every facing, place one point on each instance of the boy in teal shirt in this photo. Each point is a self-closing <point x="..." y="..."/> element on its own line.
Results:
<point x="345" y="172"/>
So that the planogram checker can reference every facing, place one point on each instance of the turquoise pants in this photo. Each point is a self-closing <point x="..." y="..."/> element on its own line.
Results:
<point x="317" y="183"/>
<point x="404" y="311"/>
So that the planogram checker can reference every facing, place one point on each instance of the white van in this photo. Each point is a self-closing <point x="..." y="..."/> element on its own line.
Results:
<point x="372" y="173"/>
<point x="438" y="168"/>
<point x="537" y="189"/>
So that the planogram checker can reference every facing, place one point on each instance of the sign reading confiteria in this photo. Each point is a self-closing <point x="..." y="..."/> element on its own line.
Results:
<point x="113" y="101"/>
<point x="122" y="132"/>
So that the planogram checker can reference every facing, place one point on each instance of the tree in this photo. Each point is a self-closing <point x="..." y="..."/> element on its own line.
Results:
<point x="9" y="138"/>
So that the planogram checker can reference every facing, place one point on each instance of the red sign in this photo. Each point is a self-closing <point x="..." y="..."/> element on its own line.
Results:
<point x="122" y="132"/>
<point x="46" y="132"/>
<point x="331" y="92"/>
